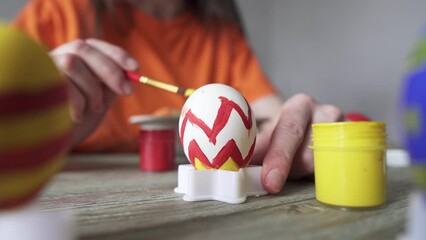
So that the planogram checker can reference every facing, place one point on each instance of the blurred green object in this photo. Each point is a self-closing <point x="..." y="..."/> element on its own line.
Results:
<point x="419" y="175"/>
<point x="418" y="54"/>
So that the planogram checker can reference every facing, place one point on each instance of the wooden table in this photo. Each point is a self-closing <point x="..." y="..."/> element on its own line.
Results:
<point x="112" y="199"/>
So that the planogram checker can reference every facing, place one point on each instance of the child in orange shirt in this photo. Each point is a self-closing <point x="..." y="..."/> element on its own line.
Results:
<point x="187" y="43"/>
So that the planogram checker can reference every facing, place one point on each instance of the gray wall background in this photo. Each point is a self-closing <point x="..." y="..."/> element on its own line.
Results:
<point x="350" y="53"/>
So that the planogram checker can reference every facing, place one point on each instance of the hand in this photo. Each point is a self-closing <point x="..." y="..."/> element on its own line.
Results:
<point x="95" y="70"/>
<point x="283" y="142"/>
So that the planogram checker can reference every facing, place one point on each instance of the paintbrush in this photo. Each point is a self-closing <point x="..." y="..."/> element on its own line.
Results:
<point x="165" y="86"/>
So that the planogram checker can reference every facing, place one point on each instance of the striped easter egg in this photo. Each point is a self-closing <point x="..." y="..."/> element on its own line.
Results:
<point x="34" y="119"/>
<point x="217" y="129"/>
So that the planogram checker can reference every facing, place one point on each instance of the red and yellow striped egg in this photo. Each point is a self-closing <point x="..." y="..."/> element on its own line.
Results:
<point x="217" y="129"/>
<point x="34" y="119"/>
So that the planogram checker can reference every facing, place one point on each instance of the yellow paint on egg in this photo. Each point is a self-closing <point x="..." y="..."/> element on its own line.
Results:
<point x="16" y="184"/>
<point x="199" y="165"/>
<point x="26" y="60"/>
<point x="26" y="130"/>
<point x="228" y="165"/>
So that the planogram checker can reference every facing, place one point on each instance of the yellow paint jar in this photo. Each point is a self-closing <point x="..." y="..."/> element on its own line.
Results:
<point x="350" y="164"/>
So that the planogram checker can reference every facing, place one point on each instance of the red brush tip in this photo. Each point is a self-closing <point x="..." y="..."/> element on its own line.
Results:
<point x="132" y="76"/>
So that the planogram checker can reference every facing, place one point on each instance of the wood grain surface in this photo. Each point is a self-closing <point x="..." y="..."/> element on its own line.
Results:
<point x="112" y="199"/>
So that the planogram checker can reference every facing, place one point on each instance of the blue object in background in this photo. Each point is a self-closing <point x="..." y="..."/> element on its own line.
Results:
<point x="414" y="103"/>
<point x="414" y="115"/>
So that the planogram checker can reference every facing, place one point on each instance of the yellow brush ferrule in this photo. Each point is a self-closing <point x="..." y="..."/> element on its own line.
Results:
<point x="157" y="84"/>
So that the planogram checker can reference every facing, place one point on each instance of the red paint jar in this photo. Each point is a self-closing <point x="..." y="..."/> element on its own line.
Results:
<point x="157" y="149"/>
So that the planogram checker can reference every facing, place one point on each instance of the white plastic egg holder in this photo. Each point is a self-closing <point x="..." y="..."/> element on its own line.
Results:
<point x="220" y="185"/>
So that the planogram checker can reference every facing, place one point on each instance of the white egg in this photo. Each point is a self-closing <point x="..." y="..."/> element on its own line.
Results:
<point x="217" y="128"/>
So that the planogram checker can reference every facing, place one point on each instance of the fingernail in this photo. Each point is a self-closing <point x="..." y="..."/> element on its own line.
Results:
<point x="274" y="180"/>
<point x="131" y="64"/>
<point x="76" y="118"/>
<point x="126" y="87"/>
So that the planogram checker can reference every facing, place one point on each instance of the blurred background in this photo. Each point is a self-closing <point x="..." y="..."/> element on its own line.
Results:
<point x="351" y="53"/>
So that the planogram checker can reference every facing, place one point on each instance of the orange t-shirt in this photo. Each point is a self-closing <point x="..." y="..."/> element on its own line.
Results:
<point x="181" y="51"/>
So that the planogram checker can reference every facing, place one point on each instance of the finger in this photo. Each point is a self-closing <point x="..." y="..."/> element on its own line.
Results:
<point x="100" y="64"/>
<point x="303" y="163"/>
<point x="285" y="140"/>
<point x="119" y="55"/>
<point x="77" y="103"/>
<point x="109" y="96"/>
<point x="327" y="113"/>
<point x="262" y="143"/>
<point x="83" y="79"/>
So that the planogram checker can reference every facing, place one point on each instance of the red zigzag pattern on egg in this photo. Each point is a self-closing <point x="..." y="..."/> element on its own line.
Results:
<point x="230" y="149"/>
